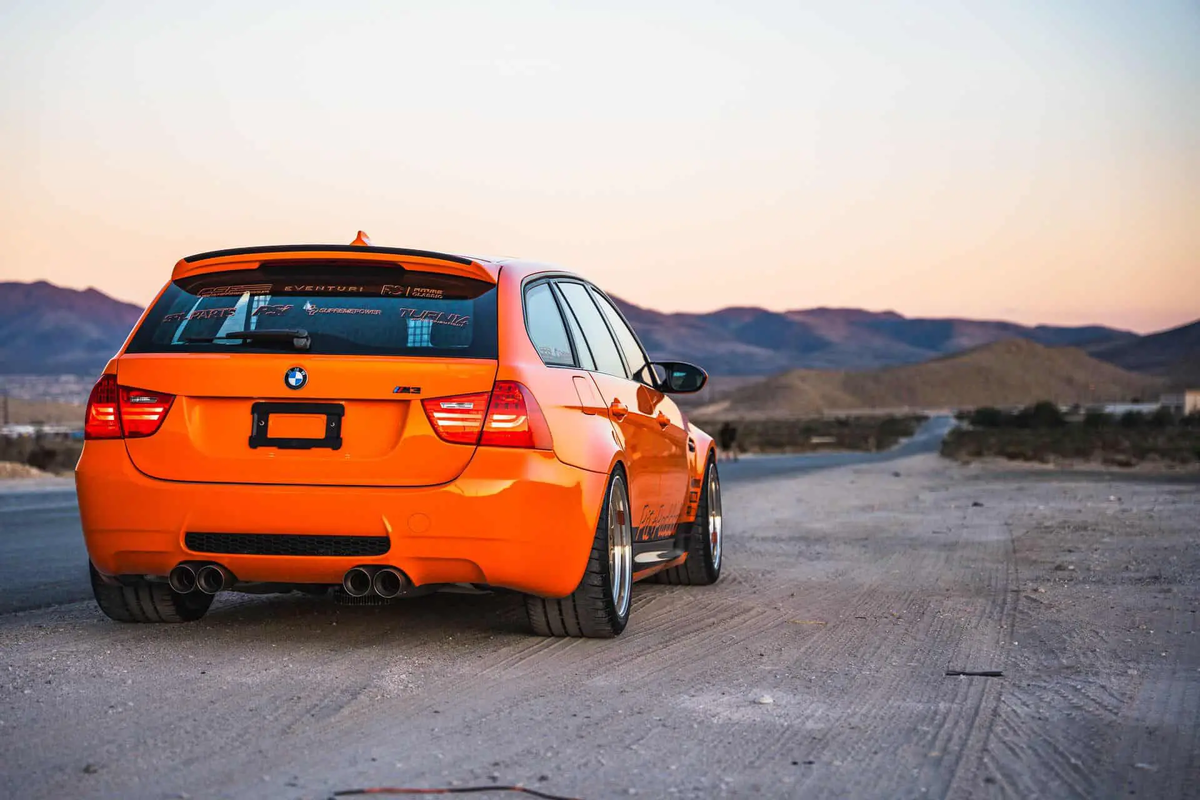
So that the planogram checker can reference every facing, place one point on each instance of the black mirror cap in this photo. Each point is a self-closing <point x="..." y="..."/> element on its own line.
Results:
<point x="679" y="377"/>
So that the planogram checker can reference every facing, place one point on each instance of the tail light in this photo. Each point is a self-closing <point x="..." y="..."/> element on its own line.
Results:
<point x="116" y="412"/>
<point x="457" y="419"/>
<point x="100" y="420"/>
<point x="508" y="417"/>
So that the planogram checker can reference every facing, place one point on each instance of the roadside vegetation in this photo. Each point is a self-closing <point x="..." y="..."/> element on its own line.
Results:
<point x="863" y="433"/>
<point x="48" y="454"/>
<point x="1043" y="433"/>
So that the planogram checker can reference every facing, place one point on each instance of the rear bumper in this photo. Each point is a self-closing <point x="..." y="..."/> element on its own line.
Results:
<point x="518" y="519"/>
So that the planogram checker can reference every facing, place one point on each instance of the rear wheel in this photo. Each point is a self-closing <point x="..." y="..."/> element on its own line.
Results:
<point x="705" y="540"/>
<point x="143" y="601"/>
<point x="599" y="606"/>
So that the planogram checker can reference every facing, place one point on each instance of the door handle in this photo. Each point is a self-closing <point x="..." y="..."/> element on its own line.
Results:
<point x="663" y="419"/>
<point x="618" y="410"/>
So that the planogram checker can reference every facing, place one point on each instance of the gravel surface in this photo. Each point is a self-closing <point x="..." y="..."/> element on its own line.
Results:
<point x="815" y="668"/>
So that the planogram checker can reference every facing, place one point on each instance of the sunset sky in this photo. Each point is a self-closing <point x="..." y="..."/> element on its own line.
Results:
<point x="1033" y="161"/>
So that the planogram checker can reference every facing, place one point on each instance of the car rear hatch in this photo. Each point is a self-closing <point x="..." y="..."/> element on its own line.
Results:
<point x="310" y="367"/>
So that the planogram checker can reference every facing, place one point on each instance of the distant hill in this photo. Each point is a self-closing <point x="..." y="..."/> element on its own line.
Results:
<point x="1173" y="354"/>
<point x="48" y="329"/>
<point x="1008" y="373"/>
<point x="754" y="341"/>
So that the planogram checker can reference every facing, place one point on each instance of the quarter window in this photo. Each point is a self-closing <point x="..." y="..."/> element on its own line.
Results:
<point x="635" y="359"/>
<point x="545" y="326"/>
<point x="581" y="346"/>
<point x="604" y="349"/>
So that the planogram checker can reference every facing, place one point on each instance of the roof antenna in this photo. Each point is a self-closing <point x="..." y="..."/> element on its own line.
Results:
<point x="362" y="240"/>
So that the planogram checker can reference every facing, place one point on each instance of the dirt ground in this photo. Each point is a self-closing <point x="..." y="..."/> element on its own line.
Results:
<point x="817" y="667"/>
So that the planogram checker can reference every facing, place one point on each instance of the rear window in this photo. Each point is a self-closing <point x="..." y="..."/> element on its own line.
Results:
<point x="340" y="309"/>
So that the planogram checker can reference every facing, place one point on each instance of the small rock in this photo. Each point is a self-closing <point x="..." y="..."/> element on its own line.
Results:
<point x="1149" y="767"/>
<point x="765" y="700"/>
<point x="895" y="474"/>
<point x="976" y="504"/>
<point x="90" y="769"/>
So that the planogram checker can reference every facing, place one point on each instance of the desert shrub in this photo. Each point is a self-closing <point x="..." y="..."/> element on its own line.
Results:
<point x="1040" y="416"/>
<point x="1097" y="420"/>
<point x="1133" y="420"/>
<point x="1162" y="418"/>
<point x="988" y="417"/>
<point x="1046" y="415"/>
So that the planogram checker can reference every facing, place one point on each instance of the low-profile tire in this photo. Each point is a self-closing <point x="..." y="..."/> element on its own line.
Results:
<point x="143" y="601"/>
<point x="705" y="540"/>
<point x="599" y="606"/>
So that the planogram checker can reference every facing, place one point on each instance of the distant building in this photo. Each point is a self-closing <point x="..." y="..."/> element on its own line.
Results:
<point x="1117" y="409"/>
<point x="1182" y="403"/>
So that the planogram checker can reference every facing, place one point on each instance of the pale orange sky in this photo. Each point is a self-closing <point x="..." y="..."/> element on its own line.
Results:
<point x="1018" y="162"/>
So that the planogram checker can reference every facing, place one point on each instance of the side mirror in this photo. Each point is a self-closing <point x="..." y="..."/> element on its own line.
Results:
<point x="678" y="377"/>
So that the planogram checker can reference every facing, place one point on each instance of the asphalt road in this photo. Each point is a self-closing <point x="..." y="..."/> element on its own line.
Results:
<point x="43" y="560"/>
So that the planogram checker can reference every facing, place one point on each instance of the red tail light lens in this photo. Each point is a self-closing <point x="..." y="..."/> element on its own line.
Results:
<point x="508" y="417"/>
<point x="515" y="419"/>
<point x="457" y="419"/>
<point x="115" y="412"/>
<point x="100" y="420"/>
<point x="143" y="411"/>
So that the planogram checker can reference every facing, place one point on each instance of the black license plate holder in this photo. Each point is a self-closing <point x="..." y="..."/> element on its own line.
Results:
<point x="260" y="414"/>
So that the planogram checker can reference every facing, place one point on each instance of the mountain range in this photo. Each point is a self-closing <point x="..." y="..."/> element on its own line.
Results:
<point x="1007" y="373"/>
<point x="48" y="329"/>
<point x="1172" y="354"/>
<point x="754" y="341"/>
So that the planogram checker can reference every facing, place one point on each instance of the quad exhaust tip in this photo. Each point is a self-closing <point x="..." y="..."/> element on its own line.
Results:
<point x="211" y="578"/>
<point x="182" y="579"/>
<point x="389" y="582"/>
<point x="385" y="582"/>
<point x="357" y="582"/>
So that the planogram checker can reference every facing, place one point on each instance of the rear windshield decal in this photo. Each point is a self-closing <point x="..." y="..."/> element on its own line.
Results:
<point x="204" y="313"/>
<point x="321" y="289"/>
<point x="314" y="310"/>
<point x="235" y="291"/>
<point x="273" y="311"/>
<point x="424" y="292"/>
<point x="435" y="317"/>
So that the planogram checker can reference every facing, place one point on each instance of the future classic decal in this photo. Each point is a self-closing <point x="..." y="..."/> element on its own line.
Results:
<point x="295" y="378"/>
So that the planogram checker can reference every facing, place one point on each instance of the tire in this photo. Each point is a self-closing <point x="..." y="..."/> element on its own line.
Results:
<point x="143" y="601"/>
<point x="706" y="545"/>
<point x="599" y="606"/>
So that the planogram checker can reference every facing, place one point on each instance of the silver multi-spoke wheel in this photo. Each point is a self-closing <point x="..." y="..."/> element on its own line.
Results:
<point x="620" y="546"/>
<point x="714" y="517"/>
<point x="706" y="540"/>
<point x="599" y="606"/>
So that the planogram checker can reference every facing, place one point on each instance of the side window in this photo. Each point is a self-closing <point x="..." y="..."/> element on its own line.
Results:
<point x="604" y="349"/>
<point x="634" y="357"/>
<point x="545" y="326"/>
<point x="583" y="354"/>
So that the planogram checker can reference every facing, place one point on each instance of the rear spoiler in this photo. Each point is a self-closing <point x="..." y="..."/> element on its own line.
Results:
<point x="250" y="257"/>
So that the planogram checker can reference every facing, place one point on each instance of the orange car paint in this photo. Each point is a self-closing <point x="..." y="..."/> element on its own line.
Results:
<point x="517" y="518"/>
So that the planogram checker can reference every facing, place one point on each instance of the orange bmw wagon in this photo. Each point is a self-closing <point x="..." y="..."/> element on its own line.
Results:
<point x="380" y="422"/>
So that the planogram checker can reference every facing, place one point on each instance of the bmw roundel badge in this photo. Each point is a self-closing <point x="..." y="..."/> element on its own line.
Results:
<point x="295" y="378"/>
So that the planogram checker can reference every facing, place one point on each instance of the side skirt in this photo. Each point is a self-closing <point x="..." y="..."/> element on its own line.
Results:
<point x="659" y="554"/>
